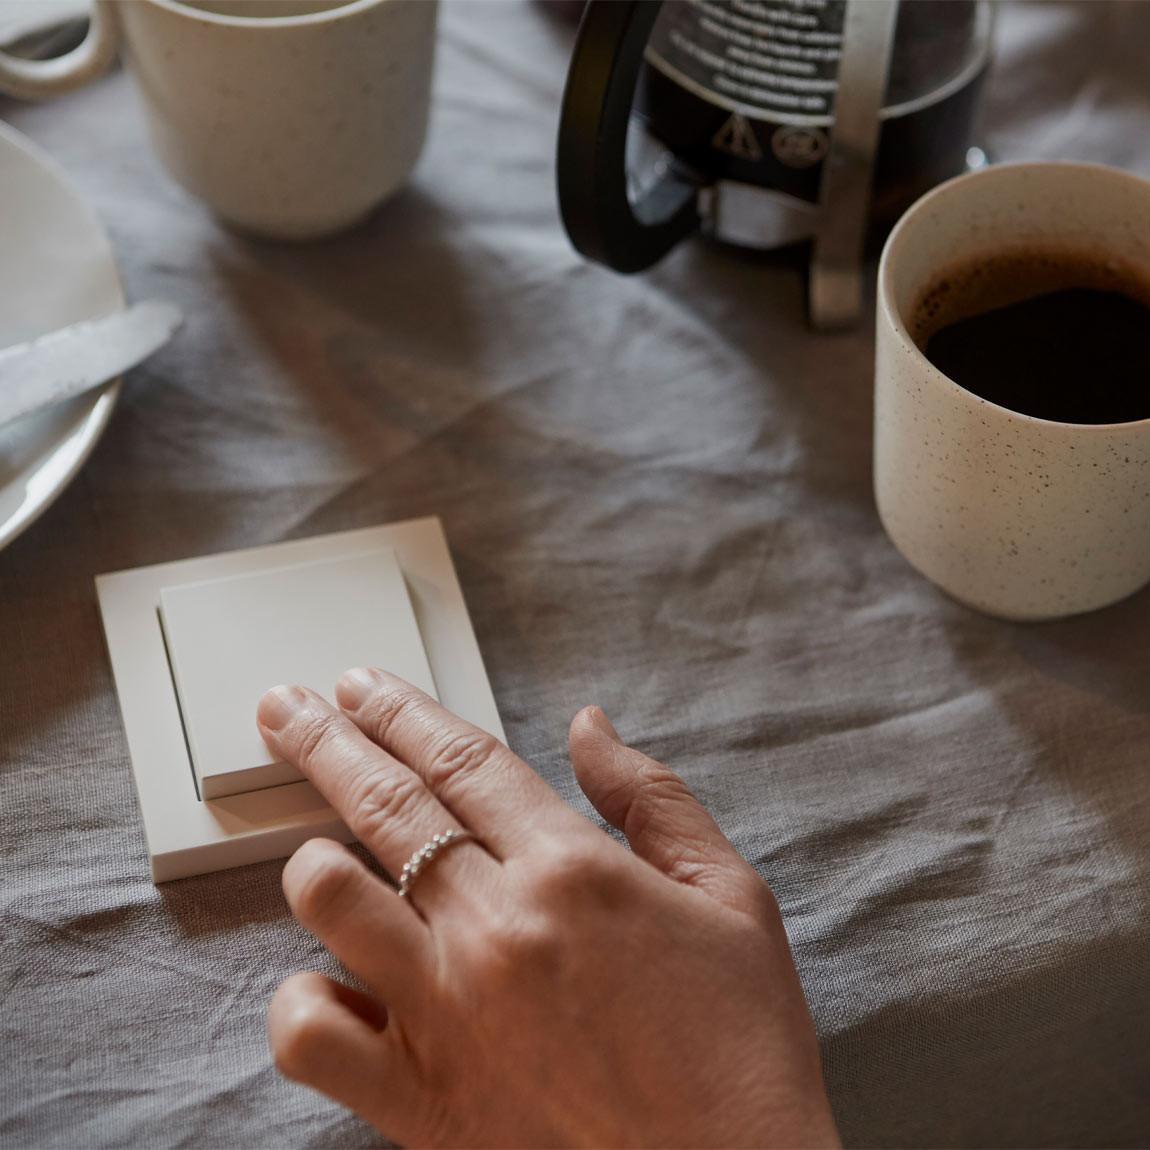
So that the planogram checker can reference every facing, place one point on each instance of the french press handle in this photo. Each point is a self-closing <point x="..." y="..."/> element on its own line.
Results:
<point x="604" y="223"/>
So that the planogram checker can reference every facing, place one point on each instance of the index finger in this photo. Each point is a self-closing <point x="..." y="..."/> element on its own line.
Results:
<point x="486" y="786"/>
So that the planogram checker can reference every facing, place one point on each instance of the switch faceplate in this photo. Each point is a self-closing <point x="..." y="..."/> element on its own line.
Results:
<point x="187" y="835"/>
<point x="231" y="639"/>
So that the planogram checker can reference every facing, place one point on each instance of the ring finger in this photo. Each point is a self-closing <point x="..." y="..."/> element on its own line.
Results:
<point x="384" y="803"/>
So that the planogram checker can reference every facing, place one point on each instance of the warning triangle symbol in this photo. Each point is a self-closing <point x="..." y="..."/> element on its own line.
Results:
<point x="737" y="138"/>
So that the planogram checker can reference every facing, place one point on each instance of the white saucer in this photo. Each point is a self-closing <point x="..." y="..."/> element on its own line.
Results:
<point x="56" y="268"/>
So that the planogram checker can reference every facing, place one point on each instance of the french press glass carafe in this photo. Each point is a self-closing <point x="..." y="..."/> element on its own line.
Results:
<point x="763" y="123"/>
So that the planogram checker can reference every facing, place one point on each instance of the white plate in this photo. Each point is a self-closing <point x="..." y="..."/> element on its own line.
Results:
<point x="56" y="268"/>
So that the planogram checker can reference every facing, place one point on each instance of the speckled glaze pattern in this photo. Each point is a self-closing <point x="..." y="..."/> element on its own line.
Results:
<point x="292" y="127"/>
<point x="1018" y="517"/>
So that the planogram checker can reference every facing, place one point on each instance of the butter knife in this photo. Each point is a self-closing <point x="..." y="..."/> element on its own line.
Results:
<point x="66" y="363"/>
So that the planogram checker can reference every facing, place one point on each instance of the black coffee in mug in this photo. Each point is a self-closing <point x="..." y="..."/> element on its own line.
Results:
<point x="1058" y="335"/>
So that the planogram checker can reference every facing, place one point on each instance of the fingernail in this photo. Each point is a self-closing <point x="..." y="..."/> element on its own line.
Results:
<point x="279" y="705"/>
<point x="354" y="689"/>
<point x="599" y="718"/>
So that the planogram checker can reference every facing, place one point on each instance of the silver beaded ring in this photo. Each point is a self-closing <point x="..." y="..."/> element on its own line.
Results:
<point x="427" y="854"/>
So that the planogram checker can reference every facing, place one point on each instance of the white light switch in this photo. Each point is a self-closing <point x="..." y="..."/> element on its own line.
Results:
<point x="231" y="639"/>
<point x="187" y="836"/>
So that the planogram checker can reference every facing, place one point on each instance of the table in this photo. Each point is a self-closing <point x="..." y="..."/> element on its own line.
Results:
<point x="657" y="490"/>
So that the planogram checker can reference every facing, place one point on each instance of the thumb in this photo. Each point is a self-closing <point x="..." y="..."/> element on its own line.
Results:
<point x="664" y="823"/>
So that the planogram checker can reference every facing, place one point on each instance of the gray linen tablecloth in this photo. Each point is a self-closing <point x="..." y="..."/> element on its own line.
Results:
<point x="657" y="490"/>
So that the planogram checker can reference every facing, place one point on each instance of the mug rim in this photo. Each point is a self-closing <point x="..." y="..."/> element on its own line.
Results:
<point x="323" y="16"/>
<point x="894" y="315"/>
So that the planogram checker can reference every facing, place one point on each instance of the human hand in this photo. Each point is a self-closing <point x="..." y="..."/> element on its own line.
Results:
<point x="541" y="986"/>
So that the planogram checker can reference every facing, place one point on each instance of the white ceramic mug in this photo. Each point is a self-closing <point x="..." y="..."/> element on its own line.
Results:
<point x="1016" y="516"/>
<point x="291" y="119"/>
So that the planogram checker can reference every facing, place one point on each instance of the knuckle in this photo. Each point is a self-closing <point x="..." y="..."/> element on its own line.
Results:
<point x="533" y="943"/>
<point x="686" y="864"/>
<point x="321" y="888"/>
<point x="388" y="706"/>
<point x="458" y="757"/>
<point x="295" y="1044"/>
<point x="381" y="800"/>
<point x="658" y="788"/>
<point x="662" y="785"/>
<point x="311" y="738"/>
<point x="528" y="943"/>
<point x="579" y="871"/>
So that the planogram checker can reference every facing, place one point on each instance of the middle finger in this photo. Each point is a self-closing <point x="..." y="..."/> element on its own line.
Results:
<point x="467" y="769"/>
<point x="384" y="803"/>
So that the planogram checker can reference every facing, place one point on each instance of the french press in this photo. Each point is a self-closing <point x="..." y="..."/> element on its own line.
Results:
<point x="764" y="123"/>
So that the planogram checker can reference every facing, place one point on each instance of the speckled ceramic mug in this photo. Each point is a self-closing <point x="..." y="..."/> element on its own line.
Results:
<point x="291" y="119"/>
<point x="1019" y="517"/>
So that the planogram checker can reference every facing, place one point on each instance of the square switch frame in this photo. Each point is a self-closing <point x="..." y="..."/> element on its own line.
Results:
<point x="188" y="836"/>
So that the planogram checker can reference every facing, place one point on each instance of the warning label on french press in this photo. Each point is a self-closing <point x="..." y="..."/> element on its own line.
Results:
<point x="760" y="57"/>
